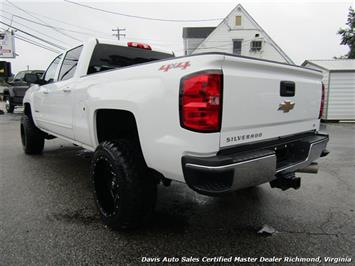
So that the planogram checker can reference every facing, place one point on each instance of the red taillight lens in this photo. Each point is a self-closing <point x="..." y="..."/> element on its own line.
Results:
<point x="321" y="110"/>
<point x="201" y="101"/>
<point x="139" y="45"/>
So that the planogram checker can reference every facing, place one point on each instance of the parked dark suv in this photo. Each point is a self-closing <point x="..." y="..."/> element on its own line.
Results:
<point x="13" y="95"/>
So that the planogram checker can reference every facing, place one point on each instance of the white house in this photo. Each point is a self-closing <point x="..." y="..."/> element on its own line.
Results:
<point x="339" y="83"/>
<point x="239" y="34"/>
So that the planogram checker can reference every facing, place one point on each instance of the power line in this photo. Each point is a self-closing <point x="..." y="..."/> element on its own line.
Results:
<point x="107" y="11"/>
<point x="35" y="30"/>
<point x="54" y="28"/>
<point x="140" y="17"/>
<point x="34" y="36"/>
<point x="220" y="46"/>
<point x="22" y="38"/>
<point x="46" y="25"/>
<point x="37" y="44"/>
<point x="67" y="23"/>
<point x="133" y="38"/>
<point x="65" y="29"/>
<point x="158" y="42"/>
<point x="63" y="22"/>
<point x="229" y="44"/>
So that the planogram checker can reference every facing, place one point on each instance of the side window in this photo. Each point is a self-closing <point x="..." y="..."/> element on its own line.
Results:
<point x="237" y="47"/>
<point x="69" y="63"/>
<point x="51" y="70"/>
<point x="238" y="20"/>
<point x="256" y="46"/>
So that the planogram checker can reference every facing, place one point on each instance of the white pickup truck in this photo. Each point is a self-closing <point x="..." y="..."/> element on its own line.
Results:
<point x="216" y="121"/>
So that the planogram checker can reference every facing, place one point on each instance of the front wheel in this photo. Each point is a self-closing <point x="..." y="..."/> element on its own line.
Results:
<point x="8" y="105"/>
<point x="32" y="138"/>
<point x="124" y="191"/>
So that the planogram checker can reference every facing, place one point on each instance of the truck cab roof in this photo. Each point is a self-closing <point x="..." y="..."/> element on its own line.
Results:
<point x="98" y="54"/>
<point x="126" y="42"/>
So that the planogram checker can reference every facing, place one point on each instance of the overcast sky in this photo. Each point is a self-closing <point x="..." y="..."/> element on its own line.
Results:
<point x="303" y="29"/>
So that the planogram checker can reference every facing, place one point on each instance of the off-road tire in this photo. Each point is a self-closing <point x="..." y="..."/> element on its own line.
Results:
<point x="8" y="105"/>
<point x="124" y="190"/>
<point x="32" y="138"/>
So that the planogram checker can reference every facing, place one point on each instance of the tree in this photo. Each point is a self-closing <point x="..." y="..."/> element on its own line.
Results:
<point x="348" y="33"/>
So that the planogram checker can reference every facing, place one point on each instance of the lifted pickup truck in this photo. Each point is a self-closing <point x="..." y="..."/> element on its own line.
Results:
<point x="215" y="121"/>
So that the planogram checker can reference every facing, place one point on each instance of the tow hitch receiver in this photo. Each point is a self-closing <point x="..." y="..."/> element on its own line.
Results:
<point x="285" y="181"/>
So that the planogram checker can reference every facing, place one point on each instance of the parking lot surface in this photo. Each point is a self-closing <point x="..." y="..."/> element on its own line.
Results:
<point x="48" y="215"/>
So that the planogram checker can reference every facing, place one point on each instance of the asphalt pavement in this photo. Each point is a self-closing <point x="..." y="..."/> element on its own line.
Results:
<point x="48" y="215"/>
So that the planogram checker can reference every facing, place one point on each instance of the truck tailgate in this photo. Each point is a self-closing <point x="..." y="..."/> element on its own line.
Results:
<point x="254" y="108"/>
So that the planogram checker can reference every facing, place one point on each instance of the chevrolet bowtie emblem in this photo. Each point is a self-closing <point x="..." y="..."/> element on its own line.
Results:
<point x="286" y="106"/>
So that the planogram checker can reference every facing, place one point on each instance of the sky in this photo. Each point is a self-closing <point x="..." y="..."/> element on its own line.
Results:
<point x="303" y="29"/>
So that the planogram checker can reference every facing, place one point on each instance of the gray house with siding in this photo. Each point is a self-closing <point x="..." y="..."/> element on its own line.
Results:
<point x="194" y="36"/>
<point x="339" y="83"/>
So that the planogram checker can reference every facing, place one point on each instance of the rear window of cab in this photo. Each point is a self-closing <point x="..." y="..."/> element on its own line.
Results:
<point x="107" y="57"/>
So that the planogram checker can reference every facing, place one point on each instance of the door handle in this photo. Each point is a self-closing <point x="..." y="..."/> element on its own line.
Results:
<point x="45" y="92"/>
<point x="67" y="90"/>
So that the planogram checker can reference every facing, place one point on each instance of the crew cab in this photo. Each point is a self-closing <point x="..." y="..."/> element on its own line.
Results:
<point x="217" y="122"/>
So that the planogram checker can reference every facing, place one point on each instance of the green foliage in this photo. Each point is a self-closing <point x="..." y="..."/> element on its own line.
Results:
<point x="348" y="33"/>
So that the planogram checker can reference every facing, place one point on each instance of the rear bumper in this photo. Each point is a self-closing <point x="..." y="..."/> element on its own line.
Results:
<point x="252" y="165"/>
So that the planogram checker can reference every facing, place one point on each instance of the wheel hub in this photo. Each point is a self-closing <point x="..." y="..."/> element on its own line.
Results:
<point x="107" y="186"/>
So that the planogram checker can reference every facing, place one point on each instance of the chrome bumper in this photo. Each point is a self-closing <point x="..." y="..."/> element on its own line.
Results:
<point x="256" y="165"/>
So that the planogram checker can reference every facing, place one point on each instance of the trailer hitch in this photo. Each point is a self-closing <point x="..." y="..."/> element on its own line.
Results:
<point x="285" y="181"/>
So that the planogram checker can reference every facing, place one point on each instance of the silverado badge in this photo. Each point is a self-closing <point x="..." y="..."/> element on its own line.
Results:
<point x="286" y="106"/>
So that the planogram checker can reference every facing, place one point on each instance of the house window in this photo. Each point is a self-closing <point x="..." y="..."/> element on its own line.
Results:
<point x="237" y="47"/>
<point x="238" y="20"/>
<point x="255" y="46"/>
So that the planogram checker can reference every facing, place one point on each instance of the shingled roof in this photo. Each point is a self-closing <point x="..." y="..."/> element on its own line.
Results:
<point x="333" y="64"/>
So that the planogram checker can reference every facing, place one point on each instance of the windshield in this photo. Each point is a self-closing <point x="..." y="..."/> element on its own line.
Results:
<point x="21" y="75"/>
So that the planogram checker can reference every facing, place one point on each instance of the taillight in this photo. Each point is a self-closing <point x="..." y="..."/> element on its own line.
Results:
<point x="322" y="102"/>
<point x="139" y="45"/>
<point x="201" y="101"/>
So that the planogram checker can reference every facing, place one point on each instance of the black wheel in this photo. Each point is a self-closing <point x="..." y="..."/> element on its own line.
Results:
<point x="32" y="138"/>
<point x="124" y="191"/>
<point x="8" y="105"/>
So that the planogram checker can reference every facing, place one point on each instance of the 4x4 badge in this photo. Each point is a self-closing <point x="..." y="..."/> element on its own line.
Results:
<point x="181" y="65"/>
<point x="286" y="106"/>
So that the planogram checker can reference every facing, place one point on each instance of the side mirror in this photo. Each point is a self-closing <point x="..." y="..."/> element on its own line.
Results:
<point x="10" y="80"/>
<point x="31" y="78"/>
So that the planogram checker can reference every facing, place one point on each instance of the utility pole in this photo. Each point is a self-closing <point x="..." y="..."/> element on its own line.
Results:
<point x="118" y="34"/>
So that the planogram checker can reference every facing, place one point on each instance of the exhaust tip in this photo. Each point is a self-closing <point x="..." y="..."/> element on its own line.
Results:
<point x="310" y="169"/>
<point x="324" y="153"/>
